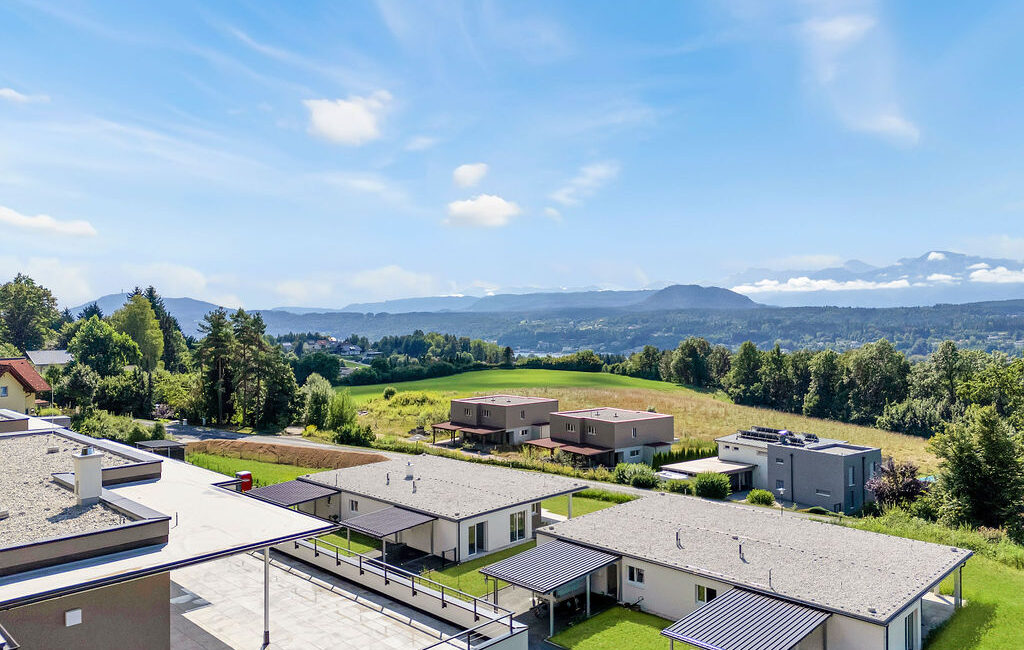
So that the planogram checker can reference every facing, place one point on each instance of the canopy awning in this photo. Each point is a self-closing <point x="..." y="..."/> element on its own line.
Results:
<point x="465" y="428"/>
<point x="387" y="521"/>
<point x="745" y="620"/>
<point x="582" y="450"/>
<point x="712" y="464"/>
<point x="445" y="426"/>
<point x="545" y="568"/>
<point x="544" y="443"/>
<point x="292" y="493"/>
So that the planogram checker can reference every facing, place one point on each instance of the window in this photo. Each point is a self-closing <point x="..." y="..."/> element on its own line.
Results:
<point x="633" y="453"/>
<point x="780" y="461"/>
<point x="910" y="631"/>
<point x="517" y="526"/>
<point x="780" y="484"/>
<point x="522" y="415"/>
<point x="849" y="476"/>
<point x="705" y="594"/>
<point x="635" y="575"/>
<point x="353" y="505"/>
<point x="524" y="432"/>
<point x="486" y="413"/>
<point x="467" y="411"/>
<point x="3" y="391"/>
<point x="634" y="432"/>
<point x="823" y="493"/>
<point x="837" y="507"/>
<point x="477" y="538"/>
<point x="570" y="427"/>
<point x="590" y="430"/>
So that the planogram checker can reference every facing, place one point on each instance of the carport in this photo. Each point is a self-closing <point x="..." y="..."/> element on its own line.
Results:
<point x="548" y="568"/>
<point x="383" y="523"/>
<point x="746" y="620"/>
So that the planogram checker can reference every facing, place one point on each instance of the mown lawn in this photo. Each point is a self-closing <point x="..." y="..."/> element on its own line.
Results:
<point x="466" y="576"/>
<point x="585" y="502"/>
<point x="614" y="629"/>
<point x="262" y="473"/>
<point x="994" y="616"/>
<point x="698" y="415"/>
<point x="360" y="543"/>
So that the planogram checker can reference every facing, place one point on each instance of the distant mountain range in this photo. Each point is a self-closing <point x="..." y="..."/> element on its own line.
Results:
<point x="933" y="278"/>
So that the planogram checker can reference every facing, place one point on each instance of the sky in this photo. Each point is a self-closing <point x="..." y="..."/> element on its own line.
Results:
<point x="316" y="154"/>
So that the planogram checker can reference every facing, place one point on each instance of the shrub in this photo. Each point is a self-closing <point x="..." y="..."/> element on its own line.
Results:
<point x="817" y="510"/>
<point x="686" y="450"/>
<point x="100" y="424"/>
<point x="761" y="498"/>
<point x="606" y="495"/>
<point x="159" y="431"/>
<point x="49" y="410"/>
<point x="389" y="392"/>
<point x="638" y="475"/>
<point x="354" y="434"/>
<point x="679" y="486"/>
<point x="711" y="485"/>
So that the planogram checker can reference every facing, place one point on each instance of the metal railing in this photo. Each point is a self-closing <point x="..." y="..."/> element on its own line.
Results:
<point x="465" y="639"/>
<point x="417" y="583"/>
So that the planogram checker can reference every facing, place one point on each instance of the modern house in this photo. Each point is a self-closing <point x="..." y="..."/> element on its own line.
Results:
<point x="43" y="360"/>
<point x="432" y="505"/>
<point x="740" y="576"/>
<point x="499" y="419"/>
<point x="89" y="530"/>
<point x="608" y="436"/>
<point x="19" y="385"/>
<point x="801" y="468"/>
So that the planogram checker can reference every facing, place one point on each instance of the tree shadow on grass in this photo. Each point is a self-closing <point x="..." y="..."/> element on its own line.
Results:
<point x="964" y="630"/>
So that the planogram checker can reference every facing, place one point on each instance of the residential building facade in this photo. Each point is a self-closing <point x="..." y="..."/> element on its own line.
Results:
<point x="500" y="419"/>
<point x="19" y="385"/>
<point x="608" y="436"/>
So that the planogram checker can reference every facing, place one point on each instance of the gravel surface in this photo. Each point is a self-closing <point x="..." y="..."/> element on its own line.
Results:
<point x="38" y="507"/>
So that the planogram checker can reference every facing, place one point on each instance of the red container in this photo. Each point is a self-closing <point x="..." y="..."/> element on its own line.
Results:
<point x="246" y="480"/>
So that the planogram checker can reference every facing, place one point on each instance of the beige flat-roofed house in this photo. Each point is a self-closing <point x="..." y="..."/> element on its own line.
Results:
<point x="90" y="529"/>
<point x="499" y="419"/>
<point x="609" y="436"/>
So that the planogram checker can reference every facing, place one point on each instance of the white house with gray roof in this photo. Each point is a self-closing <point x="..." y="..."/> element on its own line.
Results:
<point x="799" y="582"/>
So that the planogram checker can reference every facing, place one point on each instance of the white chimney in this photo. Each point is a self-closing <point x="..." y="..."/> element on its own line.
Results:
<point x="408" y="471"/>
<point x="88" y="476"/>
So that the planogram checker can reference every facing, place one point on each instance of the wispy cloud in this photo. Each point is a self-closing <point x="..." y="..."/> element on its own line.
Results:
<point x="589" y="179"/>
<point x="469" y="174"/>
<point x="420" y="143"/>
<point x="353" y="121"/>
<point x="45" y="224"/>
<point x="483" y="211"/>
<point x="804" y="284"/>
<point x="14" y="96"/>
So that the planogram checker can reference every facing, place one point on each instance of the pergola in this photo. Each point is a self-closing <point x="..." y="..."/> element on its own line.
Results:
<point x="552" y="446"/>
<point x="546" y="568"/>
<point x="453" y="428"/>
<point x="381" y="524"/>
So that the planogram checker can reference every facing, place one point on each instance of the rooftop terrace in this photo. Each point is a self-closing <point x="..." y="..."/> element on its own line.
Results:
<point x="446" y="488"/>
<point x="854" y="572"/>
<point x="612" y="414"/>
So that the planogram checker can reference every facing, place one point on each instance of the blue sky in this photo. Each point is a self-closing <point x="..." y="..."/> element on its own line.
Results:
<point x="323" y="153"/>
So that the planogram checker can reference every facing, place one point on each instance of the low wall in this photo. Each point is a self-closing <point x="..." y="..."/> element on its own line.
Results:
<point x="486" y="620"/>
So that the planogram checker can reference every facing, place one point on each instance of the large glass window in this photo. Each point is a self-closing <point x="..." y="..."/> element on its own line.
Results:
<point x="517" y="526"/>
<point x="849" y="476"/>
<point x="910" y="631"/>
<point x="477" y="538"/>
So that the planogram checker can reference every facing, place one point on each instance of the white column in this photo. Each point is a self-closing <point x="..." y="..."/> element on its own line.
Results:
<point x="266" y="596"/>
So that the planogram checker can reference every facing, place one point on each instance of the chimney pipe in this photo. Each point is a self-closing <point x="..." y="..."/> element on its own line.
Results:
<point x="88" y="476"/>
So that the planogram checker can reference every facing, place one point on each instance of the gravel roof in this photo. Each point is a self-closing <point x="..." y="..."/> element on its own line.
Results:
<point x="828" y="566"/>
<point x="612" y="414"/>
<point x="447" y="488"/>
<point x="505" y="400"/>
<point x="40" y="508"/>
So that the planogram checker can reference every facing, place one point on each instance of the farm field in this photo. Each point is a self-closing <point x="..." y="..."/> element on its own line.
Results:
<point x="698" y="415"/>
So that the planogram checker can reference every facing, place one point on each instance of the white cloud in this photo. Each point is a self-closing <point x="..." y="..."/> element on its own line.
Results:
<point x="469" y="174"/>
<point x="65" y="279"/>
<point x="42" y="223"/>
<point x="485" y="210"/>
<point x="366" y="184"/>
<point x="552" y="213"/>
<point x="421" y="143"/>
<point x="943" y="278"/>
<point x="998" y="275"/>
<point x="589" y="179"/>
<point x="353" y="121"/>
<point x="892" y="125"/>
<point x="12" y="95"/>
<point x="936" y="256"/>
<point x="805" y="284"/>
<point x="979" y="265"/>
<point x="840" y="30"/>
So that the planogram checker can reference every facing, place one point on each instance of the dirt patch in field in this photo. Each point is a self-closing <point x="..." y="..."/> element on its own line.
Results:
<point x="270" y="452"/>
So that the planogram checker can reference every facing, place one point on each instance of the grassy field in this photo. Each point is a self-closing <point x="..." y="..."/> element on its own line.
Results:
<point x="360" y="543"/>
<point x="698" y="415"/>
<point x="616" y="628"/>
<point x="466" y="577"/>
<point x="585" y="502"/>
<point x="262" y="473"/>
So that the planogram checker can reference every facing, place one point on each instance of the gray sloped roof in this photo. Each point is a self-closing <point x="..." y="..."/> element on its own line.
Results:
<point x="547" y="567"/>
<point x="292" y="493"/>
<point x="386" y="521"/>
<point x="744" y="620"/>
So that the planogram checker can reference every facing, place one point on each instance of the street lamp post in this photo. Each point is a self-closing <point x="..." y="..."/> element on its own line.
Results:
<point x="782" y="492"/>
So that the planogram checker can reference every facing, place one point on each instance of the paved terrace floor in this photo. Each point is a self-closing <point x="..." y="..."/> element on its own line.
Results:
<point x="309" y="609"/>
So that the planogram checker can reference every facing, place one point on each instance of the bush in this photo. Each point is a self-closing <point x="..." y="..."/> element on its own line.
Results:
<point x="606" y="495"/>
<point x="354" y="434"/>
<point x="686" y="450"/>
<point x="638" y="475"/>
<point x="817" y="510"/>
<point x="389" y="392"/>
<point x="761" y="498"/>
<point x="679" y="486"/>
<point x="159" y="431"/>
<point x="711" y="485"/>
<point x="100" y="424"/>
<point x="49" y="410"/>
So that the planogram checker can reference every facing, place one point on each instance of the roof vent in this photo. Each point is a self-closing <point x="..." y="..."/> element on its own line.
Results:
<point x="88" y="476"/>
<point x="387" y="479"/>
<point x="408" y="471"/>
<point x="872" y="610"/>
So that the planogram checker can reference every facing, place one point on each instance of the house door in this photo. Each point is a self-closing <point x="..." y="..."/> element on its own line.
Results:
<point x="477" y="538"/>
<point x="612" y="588"/>
<point x="618" y="457"/>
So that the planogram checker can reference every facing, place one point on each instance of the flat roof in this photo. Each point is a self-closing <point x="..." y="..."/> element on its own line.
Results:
<point x="207" y="522"/>
<point x="854" y="572"/>
<point x="713" y="464"/>
<point x="736" y="438"/>
<point x="505" y="400"/>
<point x="38" y="507"/>
<point x="447" y="488"/>
<point x="546" y="567"/>
<point x="612" y="414"/>
<point x="840" y="449"/>
<point x="744" y="620"/>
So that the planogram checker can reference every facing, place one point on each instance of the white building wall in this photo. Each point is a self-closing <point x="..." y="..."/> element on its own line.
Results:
<point x="497" y="533"/>
<point x="748" y="455"/>
<point x="669" y="593"/>
<point x="627" y="454"/>
<point x="845" y="633"/>
<point x="897" y="628"/>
